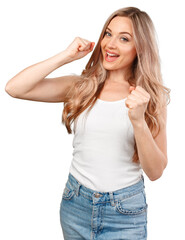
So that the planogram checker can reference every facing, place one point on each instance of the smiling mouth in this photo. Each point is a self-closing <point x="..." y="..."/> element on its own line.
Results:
<point x="111" y="57"/>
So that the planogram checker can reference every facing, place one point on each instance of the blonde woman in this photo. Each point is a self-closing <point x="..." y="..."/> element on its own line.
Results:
<point x="118" y="106"/>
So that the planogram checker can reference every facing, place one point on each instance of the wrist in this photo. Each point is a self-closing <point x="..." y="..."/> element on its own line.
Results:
<point x="62" y="58"/>
<point x="139" y="124"/>
<point x="66" y="56"/>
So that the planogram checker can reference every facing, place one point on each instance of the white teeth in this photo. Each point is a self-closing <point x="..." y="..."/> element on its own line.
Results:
<point x="112" y="55"/>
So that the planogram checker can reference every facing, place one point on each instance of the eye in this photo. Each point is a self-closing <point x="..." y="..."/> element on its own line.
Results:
<point x="124" y="39"/>
<point x="107" y="34"/>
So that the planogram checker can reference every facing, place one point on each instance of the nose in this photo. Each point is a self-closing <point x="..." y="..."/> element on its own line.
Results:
<point x="111" y="43"/>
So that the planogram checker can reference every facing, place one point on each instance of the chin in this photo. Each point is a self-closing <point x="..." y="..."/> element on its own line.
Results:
<point x="108" y="66"/>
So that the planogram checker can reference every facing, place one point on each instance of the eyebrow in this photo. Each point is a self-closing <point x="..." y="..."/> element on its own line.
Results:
<point x="120" y="32"/>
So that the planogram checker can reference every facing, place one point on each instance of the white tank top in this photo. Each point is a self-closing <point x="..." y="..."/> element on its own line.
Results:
<point x="103" y="147"/>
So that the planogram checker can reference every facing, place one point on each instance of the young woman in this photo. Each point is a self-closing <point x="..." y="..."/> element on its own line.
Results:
<point x="118" y="106"/>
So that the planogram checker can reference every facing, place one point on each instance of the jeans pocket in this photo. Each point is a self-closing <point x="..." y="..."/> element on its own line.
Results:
<point x="68" y="192"/>
<point x="132" y="205"/>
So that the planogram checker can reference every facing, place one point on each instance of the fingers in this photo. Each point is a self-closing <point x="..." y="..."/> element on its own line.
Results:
<point x="92" y="46"/>
<point x="139" y="92"/>
<point x="143" y="92"/>
<point x="138" y="96"/>
<point x="85" y="45"/>
<point x="129" y="104"/>
<point x="131" y="89"/>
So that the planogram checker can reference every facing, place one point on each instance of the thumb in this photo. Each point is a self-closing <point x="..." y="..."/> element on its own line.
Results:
<point x="131" y="88"/>
<point x="92" y="46"/>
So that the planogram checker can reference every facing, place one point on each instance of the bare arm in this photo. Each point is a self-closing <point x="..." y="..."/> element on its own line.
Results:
<point x="152" y="152"/>
<point x="28" y="78"/>
<point x="32" y="84"/>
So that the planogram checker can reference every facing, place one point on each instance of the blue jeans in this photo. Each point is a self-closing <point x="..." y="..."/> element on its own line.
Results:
<point x="88" y="214"/>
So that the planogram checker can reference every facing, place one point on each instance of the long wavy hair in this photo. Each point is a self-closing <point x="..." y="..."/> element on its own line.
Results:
<point x="145" y="72"/>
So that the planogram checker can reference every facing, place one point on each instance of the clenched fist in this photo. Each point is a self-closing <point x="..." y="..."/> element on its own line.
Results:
<point x="137" y="102"/>
<point x="79" y="48"/>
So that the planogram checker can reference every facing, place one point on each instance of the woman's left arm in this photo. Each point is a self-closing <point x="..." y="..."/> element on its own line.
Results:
<point x="152" y="152"/>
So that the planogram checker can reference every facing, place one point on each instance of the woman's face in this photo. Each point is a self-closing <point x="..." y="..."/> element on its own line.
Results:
<point x="117" y="46"/>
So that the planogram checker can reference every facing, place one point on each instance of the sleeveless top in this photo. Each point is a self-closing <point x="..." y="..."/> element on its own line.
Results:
<point x="103" y="147"/>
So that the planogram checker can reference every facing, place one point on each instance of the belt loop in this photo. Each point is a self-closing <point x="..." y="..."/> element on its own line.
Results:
<point x="112" y="199"/>
<point x="143" y="181"/>
<point x="142" y="177"/>
<point x="77" y="189"/>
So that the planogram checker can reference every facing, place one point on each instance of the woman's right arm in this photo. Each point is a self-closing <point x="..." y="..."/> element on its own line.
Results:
<point x="32" y="84"/>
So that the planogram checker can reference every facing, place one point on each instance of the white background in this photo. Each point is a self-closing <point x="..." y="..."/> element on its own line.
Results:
<point x="36" y="150"/>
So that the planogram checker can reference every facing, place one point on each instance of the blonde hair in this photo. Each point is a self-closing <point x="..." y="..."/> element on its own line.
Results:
<point x="145" y="72"/>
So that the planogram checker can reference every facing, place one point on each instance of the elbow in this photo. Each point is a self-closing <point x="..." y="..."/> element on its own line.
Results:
<point x="9" y="90"/>
<point x="157" y="174"/>
<point x="154" y="178"/>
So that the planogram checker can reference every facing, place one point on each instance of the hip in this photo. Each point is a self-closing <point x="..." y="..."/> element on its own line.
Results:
<point x="120" y="214"/>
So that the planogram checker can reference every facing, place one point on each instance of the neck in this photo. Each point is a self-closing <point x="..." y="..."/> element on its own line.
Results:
<point x="118" y="76"/>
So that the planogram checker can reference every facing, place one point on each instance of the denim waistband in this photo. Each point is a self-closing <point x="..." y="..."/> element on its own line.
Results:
<point x="112" y="196"/>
